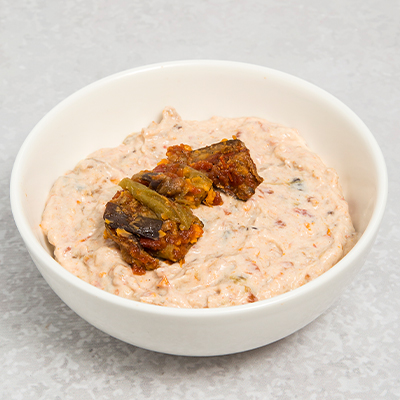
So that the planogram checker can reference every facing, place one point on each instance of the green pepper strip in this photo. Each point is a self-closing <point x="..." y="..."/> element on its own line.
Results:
<point x="163" y="207"/>
<point x="197" y="178"/>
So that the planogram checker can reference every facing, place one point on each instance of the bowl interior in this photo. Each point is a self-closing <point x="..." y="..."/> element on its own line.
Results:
<point x="104" y="113"/>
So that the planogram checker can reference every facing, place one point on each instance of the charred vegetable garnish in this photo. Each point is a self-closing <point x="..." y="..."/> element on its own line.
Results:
<point x="181" y="183"/>
<point x="163" y="207"/>
<point x="151" y="217"/>
<point x="146" y="226"/>
<point x="121" y="214"/>
<point x="228" y="164"/>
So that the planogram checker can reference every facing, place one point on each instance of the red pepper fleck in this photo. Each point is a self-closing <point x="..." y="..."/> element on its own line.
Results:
<point x="302" y="211"/>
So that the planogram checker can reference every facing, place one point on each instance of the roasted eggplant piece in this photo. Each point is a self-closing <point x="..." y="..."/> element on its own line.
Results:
<point x="173" y="243"/>
<point x="132" y="217"/>
<point x="181" y="183"/>
<point x="126" y="220"/>
<point x="147" y="226"/>
<point x="228" y="164"/>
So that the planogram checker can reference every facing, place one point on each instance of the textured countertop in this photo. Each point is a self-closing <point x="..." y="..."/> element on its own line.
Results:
<point x="48" y="50"/>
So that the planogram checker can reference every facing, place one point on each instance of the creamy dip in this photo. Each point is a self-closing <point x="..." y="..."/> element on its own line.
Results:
<point x="294" y="228"/>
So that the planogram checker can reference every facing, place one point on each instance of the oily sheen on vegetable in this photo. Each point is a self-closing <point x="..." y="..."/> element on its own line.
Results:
<point x="153" y="220"/>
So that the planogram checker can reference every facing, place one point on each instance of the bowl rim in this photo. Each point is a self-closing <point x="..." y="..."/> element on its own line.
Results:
<point x="38" y="252"/>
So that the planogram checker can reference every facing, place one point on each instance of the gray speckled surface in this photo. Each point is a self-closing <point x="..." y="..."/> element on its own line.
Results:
<point x="50" y="49"/>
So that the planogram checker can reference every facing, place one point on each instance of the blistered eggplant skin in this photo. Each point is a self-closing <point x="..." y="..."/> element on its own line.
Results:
<point x="126" y="220"/>
<point x="141" y="225"/>
<point x="228" y="164"/>
<point x="181" y="183"/>
<point x="175" y="244"/>
<point x="168" y="185"/>
<point x="142" y="236"/>
<point x="132" y="251"/>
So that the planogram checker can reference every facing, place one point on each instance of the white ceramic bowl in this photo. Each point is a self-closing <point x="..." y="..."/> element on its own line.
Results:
<point x="105" y="112"/>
